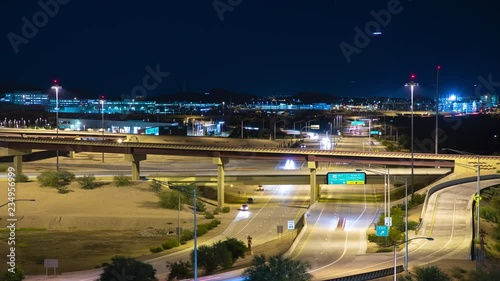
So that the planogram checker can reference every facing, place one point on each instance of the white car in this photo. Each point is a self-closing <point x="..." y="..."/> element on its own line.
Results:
<point x="244" y="207"/>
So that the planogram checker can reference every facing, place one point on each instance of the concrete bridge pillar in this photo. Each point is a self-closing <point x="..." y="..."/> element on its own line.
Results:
<point x="18" y="157"/>
<point x="72" y="155"/>
<point x="314" y="187"/>
<point x="136" y="160"/>
<point x="220" y="179"/>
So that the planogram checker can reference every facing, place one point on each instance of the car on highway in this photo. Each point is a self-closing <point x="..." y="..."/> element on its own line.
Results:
<point x="250" y="200"/>
<point x="260" y="188"/>
<point x="244" y="207"/>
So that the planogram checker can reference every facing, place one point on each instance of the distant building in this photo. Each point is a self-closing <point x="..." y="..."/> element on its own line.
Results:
<point x="27" y="98"/>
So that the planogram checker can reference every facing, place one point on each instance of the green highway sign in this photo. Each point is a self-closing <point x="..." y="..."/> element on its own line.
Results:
<point x="373" y="132"/>
<point x="382" y="230"/>
<point x="357" y="123"/>
<point x="346" y="178"/>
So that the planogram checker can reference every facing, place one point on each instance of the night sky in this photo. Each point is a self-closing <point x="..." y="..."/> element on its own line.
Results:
<point x="260" y="47"/>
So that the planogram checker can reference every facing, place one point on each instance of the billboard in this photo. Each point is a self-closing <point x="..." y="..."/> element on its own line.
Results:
<point x="346" y="178"/>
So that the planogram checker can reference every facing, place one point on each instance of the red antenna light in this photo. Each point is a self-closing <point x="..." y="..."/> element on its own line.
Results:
<point x="55" y="81"/>
<point x="439" y="67"/>
<point x="412" y="76"/>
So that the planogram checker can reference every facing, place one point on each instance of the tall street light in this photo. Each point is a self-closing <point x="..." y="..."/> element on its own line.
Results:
<point x="437" y="109"/>
<point x="407" y="241"/>
<point x="406" y="218"/>
<point x="102" y="123"/>
<point x="412" y="84"/>
<point x="478" y="184"/>
<point x="57" y="87"/>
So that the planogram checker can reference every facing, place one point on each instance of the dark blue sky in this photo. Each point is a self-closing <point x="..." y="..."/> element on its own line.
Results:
<point x="261" y="47"/>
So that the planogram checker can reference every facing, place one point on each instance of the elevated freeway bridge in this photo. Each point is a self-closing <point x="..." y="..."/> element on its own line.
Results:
<point x="135" y="152"/>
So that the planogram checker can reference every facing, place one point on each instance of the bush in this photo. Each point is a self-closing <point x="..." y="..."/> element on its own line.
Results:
<point x="201" y="229"/>
<point x="170" y="200"/>
<point x="66" y="176"/>
<point x="200" y="206"/>
<point x="87" y="182"/>
<point x="156" y="186"/>
<point x="55" y="178"/>
<point x="121" y="180"/>
<point x="63" y="189"/>
<point x="3" y="168"/>
<point x="48" y="178"/>
<point x="21" y="178"/>
<point x="226" y="209"/>
<point x="169" y="244"/>
<point x="208" y="215"/>
<point x="180" y="270"/>
<point x="155" y="249"/>
<point x="187" y="235"/>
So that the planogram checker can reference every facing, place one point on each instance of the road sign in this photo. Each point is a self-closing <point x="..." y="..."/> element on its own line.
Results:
<point x="373" y="132"/>
<point x="382" y="230"/>
<point x="477" y="198"/>
<point x="346" y="178"/>
<point x="291" y="225"/>
<point x="357" y="123"/>
<point x="388" y="221"/>
<point x="315" y="127"/>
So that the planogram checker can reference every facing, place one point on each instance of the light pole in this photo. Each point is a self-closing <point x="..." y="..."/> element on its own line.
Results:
<point x="15" y="200"/>
<point x="396" y="246"/>
<point x="300" y="122"/>
<point x="412" y="84"/>
<point x="195" y="250"/>
<point x="57" y="87"/>
<point x="478" y="191"/>
<point x="406" y="218"/>
<point x="102" y="123"/>
<point x="437" y="109"/>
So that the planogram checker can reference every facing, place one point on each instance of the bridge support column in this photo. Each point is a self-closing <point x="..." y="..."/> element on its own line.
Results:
<point x="18" y="157"/>
<point x="72" y="155"/>
<point x="136" y="160"/>
<point x="314" y="187"/>
<point x="220" y="179"/>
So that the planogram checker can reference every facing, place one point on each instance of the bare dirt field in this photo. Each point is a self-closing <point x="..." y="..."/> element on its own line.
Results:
<point x="85" y="228"/>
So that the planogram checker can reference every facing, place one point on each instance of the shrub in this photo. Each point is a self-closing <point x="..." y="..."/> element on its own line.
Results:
<point x="208" y="215"/>
<point x="169" y="244"/>
<point x="87" y="182"/>
<point x="156" y="186"/>
<point x="180" y="270"/>
<point x="48" y="178"/>
<point x="55" y="178"/>
<point x="63" y="189"/>
<point x="155" y="249"/>
<point x="200" y="206"/>
<point x="187" y="235"/>
<point x="121" y="180"/>
<point x="216" y="211"/>
<point x="226" y="209"/>
<point x="170" y="200"/>
<point x="4" y="168"/>
<point x="201" y="229"/>
<point x="65" y="176"/>
<point x="21" y="178"/>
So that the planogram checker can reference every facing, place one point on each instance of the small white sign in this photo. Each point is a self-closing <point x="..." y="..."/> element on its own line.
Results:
<point x="388" y="221"/>
<point x="291" y="225"/>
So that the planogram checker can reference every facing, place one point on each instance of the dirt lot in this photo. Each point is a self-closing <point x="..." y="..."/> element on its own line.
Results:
<point x="85" y="228"/>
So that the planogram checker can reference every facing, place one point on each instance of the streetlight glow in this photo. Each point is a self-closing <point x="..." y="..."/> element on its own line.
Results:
<point x="57" y="87"/>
